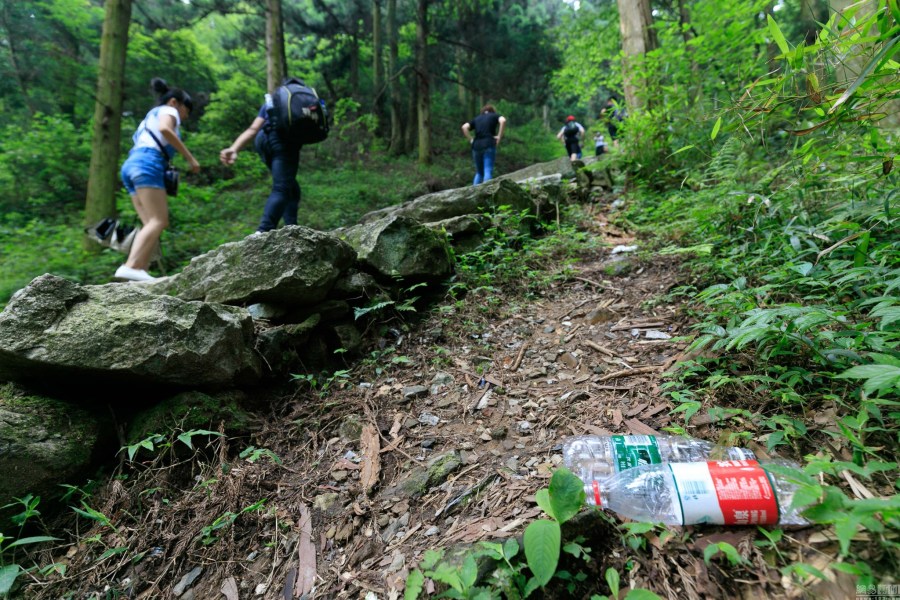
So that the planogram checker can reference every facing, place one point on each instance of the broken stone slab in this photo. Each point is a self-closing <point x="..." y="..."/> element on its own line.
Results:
<point x="290" y="266"/>
<point x="414" y="391"/>
<point x="440" y="380"/>
<point x="399" y="246"/>
<point x="466" y="232"/>
<point x="186" y="581"/>
<point x="655" y="334"/>
<point x="283" y="345"/>
<point x="56" y="331"/>
<point x="427" y="418"/>
<point x="355" y="284"/>
<point x="395" y="526"/>
<point x="422" y="479"/>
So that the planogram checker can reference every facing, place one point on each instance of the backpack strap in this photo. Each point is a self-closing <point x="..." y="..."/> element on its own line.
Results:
<point x="158" y="143"/>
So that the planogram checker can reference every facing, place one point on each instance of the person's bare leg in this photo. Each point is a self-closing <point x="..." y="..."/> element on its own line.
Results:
<point x="152" y="207"/>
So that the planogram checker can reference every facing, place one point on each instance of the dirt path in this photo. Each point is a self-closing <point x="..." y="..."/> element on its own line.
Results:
<point x="492" y="399"/>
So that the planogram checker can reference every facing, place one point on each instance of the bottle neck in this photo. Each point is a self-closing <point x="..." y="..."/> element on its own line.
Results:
<point x="598" y="496"/>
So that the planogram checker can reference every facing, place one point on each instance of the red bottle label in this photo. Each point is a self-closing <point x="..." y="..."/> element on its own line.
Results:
<point x="734" y="492"/>
<point x="745" y="493"/>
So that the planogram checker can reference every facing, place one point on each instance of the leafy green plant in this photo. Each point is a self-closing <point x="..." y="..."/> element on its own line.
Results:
<point x="28" y="504"/>
<point x="154" y="441"/>
<point x="542" y="543"/>
<point x="9" y="572"/>
<point x="561" y="501"/>
<point x="226" y="520"/>
<point x="253" y="454"/>
<point x="322" y="386"/>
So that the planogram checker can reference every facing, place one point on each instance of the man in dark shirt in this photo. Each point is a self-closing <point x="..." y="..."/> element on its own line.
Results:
<point x="282" y="157"/>
<point x="488" y="131"/>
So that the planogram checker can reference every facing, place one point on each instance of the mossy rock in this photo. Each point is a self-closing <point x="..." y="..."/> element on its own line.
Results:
<point x="191" y="410"/>
<point x="424" y="478"/>
<point x="43" y="443"/>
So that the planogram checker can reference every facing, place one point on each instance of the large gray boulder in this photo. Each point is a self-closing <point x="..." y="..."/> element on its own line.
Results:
<point x="290" y="266"/>
<point x="56" y="331"/>
<point x="398" y="246"/>
<point x="559" y="167"/>
<point x="476" y="199"/>
<point x="43" y="443"/>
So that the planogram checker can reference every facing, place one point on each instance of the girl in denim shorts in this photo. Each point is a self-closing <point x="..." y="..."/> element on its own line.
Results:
<point x="142" y="175"/>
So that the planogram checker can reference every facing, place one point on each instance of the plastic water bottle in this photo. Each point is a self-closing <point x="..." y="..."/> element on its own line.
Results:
<point x="739" y="492"/>
<point x="269" y="103"/>
<point x="598" y="456"/>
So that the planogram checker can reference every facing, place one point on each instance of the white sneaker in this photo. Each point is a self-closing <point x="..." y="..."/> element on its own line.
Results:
<point x="129" y="274"/>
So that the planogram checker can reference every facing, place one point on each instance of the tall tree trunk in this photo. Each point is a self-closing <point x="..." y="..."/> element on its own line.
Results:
<point x="393" y="54"/>
<point x="377" y="67"/>
<point x="412" y="126"/>
<point x="459" y="57"/>
<point x="637" y="39"/>
<point x="69" y="89"/>
<point x="14" y="56"/>
<point x="684" y="20"/>
<point x="424" y="83"/>
<point x="101" y="198"/>
<point x="276" y="59"/>
<point x="354" y="57"/>
<point x="812" y="12"/>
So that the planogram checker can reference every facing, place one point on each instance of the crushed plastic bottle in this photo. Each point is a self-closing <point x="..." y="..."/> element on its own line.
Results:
<point x="737" y="492"/>
<point x="598" y="456"/>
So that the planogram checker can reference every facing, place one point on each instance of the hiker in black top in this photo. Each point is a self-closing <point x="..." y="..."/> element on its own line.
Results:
<point x="571" y="135"/>
<point x="282" y="157"/>
<point x="613" y="114"/>
<point x="488" y="129"/>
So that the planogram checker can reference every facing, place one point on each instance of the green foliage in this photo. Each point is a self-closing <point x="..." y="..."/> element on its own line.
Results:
<point x="176" y="56"/>
<point x="542" y="545"/>
<point x="252" y="454"/>
<point x="154" y="442"/>
<point x="322" y="386"/>
<point x="511" y="258"/>
<point x="239" y="94"/>
<point x="226" y="520"/>
<point x="28" y="504"/>
<point x="9" y="572"/>
<point x="41" y="169"/>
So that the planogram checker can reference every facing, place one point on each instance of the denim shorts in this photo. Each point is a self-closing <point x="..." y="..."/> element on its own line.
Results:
<point x="143" y="169"/>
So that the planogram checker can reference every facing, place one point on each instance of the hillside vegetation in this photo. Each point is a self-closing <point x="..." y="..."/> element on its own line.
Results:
<point x="757" y="178"/>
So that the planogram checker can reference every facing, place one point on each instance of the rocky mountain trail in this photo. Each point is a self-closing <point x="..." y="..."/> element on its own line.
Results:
<point x="440" y="439"/>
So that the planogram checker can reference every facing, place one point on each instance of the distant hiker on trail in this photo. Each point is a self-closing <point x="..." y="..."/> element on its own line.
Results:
<point x="142" y="174"/>
<point x="277" y="140"/>
<point x="599" y="144"/>
<point x="613" y="115"/>
<point x="571" y="135"/>
<point x="488" y="127"/>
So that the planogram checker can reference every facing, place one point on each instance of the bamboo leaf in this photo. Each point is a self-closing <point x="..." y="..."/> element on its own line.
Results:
<point x="867" y="70"/>
<point x="777" y="35"/>
<point x="715" y="129"/>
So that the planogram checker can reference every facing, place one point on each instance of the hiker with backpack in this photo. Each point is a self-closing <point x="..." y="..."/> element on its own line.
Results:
<point x="613" y="114"/>
<point x="484" y="133"/>
<point x="571" y="135"/>
<point x="156" y="140"/>
<point x="291" y="116"/>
